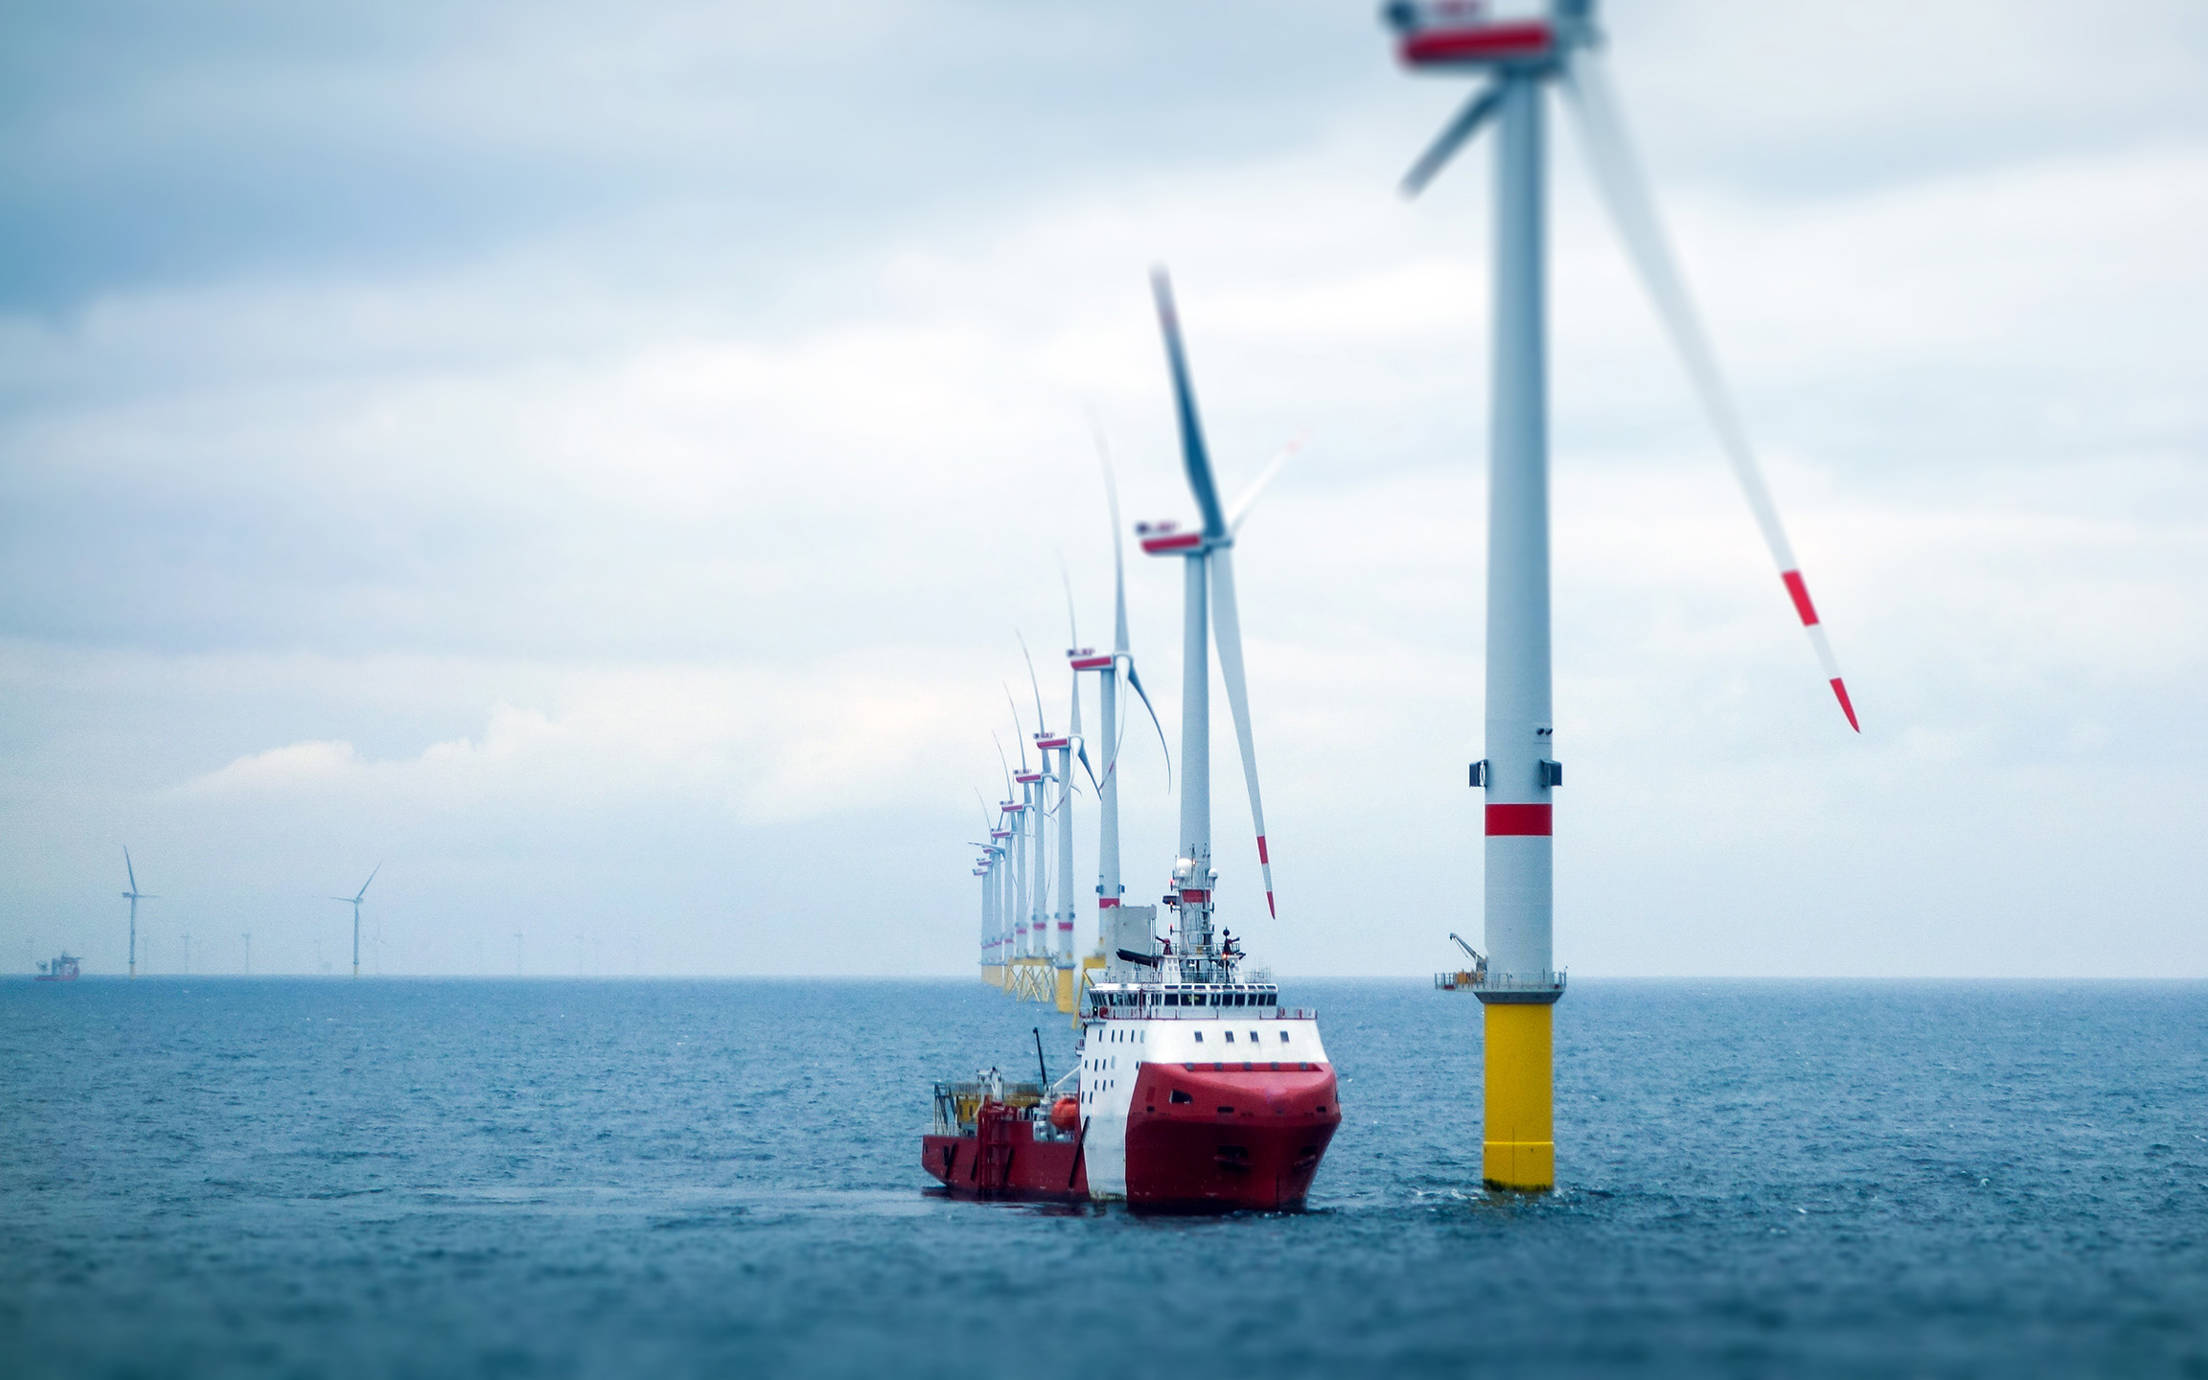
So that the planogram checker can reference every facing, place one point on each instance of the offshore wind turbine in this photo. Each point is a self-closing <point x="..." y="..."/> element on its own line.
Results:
<point x="354" y="901"/>
<point x="1018" y="879"/>
<point x="1209" y="599"/>
<point x="1036" y="878"/>
<point x="1064" y="744"/>
<point x="134" y="896"/>
<point x="1520" y="58"/>
<point x="1108" y="668"/>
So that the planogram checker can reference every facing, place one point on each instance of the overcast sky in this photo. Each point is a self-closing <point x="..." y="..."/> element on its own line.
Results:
<point x="593" y="460"/>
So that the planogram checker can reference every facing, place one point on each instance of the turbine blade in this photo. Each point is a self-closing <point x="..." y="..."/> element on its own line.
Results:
<point x="1019" y="734"/>
<point x="1226" y="625"/>
<point x="128" y="870"/>
<point x="1618" y="178"/>
<point x="1041" y="724"/>
<point x="1193" y="453"/>
<point x="1119" y="558"/>
<point x="1065" y="580"/>
<point x="1249" y="497"/>
<point x="371" y="878"/>
<point x="1002" y="763"/>
<point x="1452" y="138"/>
<point x="1144" y="695"/>
<point x="1081" y="751"/>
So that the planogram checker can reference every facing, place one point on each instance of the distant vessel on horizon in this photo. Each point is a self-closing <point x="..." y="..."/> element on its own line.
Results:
<point x="60" y="968"/>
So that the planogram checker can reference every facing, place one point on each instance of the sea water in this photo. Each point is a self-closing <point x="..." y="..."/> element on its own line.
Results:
<point x="550" y="1178"/>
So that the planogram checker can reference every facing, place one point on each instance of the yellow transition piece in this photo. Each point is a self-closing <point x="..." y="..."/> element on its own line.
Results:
<point x="1520" y="1147"/>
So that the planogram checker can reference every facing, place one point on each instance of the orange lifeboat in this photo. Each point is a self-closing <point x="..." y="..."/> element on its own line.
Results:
<point x="1065" y="1113"/>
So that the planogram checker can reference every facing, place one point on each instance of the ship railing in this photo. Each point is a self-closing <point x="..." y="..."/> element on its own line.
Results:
<point x="1205" y="1013"/>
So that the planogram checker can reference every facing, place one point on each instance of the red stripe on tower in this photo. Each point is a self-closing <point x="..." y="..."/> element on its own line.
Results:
<point x="1520" y="820"/>
<point x="1800" y="594"/>
<point x="1106" y="902"/>
<point x="1845" y="707"/>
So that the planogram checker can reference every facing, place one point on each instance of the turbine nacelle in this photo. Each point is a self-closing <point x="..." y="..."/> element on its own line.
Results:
<point x="1167" y="539"/>
<point x="1460" y="34"/>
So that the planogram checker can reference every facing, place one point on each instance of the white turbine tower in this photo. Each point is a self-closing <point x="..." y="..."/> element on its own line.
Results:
<point x="1109" y="667"/>
<point x="354" y="901"/>
<point x="134" y="896"/>
<point x="1521" y="770"/>
<point x="1208" y="598"/>
<point x="1035" y="879"/>
<point x="1059" y="949"/>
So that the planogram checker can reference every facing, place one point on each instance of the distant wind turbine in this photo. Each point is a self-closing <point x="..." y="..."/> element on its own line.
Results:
<point x="354" y="901"/>
<point x="134" y="896"/>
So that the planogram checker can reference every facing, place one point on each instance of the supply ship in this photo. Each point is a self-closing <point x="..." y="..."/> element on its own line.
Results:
<point x="1194" y="1091"/>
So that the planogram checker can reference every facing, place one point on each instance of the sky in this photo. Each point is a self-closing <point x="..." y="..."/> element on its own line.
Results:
<point x="597" y="462"/>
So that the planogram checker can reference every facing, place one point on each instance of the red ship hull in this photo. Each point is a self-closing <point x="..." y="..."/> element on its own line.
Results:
<point x="1218" y="1137"/>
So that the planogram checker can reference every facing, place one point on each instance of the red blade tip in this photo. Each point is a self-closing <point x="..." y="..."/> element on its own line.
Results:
<point x="1845" y="707"/>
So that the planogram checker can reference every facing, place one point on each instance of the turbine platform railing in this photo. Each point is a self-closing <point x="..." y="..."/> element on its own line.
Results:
<point x="1508" y="989"/>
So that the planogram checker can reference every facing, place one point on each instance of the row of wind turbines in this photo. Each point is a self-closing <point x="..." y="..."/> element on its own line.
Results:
<point x="134" y="896"/>
<point x="1519" y="58"/>
<point x="1024" y="949"/>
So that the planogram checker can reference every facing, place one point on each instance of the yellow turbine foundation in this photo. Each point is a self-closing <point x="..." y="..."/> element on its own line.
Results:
<point x="1519" y="1151"/>
<point x="993" y="974"/>
<point x="1068" y="989"/>
<point x="1031" y="979"/>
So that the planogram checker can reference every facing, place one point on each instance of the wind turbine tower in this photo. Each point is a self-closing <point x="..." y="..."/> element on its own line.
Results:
<point x="1210" y="615"/>
<point x="1520" y="57"/>
<point x="1054" y="939"/>
<point x="1110" y="891"/>
<point x="1000" y="899"/>
<point x="134" y="896"/>
<point x="354" y="901"/>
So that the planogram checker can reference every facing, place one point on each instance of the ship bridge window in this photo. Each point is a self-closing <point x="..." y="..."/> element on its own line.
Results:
<point x="1230" y="1037"/>
<point x="1284" y="1037"/>
<point x="1253" y="1037"/>
<point x="1199" y="1037"/>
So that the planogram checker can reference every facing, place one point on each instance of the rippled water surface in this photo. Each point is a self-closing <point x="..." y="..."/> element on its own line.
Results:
<point x="324" y="1177"/>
